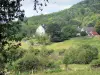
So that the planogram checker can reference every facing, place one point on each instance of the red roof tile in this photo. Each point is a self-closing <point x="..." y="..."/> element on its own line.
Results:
<point x="94" y="33"/>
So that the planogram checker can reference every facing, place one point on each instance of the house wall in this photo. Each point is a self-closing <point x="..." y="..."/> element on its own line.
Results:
<point x="40" y="31"/>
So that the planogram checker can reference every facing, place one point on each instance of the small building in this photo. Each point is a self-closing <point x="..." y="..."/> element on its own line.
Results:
<point x="91" y="31"/>
<point x="40" y="31"/>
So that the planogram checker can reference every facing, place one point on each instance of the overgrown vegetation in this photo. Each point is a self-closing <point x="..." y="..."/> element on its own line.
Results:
<point x="35" y="60"/>
<point x="95" y="63"/>
<point x="84" y="54"/>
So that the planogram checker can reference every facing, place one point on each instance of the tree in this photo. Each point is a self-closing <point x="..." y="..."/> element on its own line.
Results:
<point x="54" y="31"/>
<point x="38" y="4"/>
<point x="97" y="26"/>
<point x="69" y="32"/>
<point x="9" y="11"/>
<point x="83" y="54"/>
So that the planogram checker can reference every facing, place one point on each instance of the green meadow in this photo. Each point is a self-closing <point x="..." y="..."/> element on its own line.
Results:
<point x="73" y="69"/>
<point x="95" y="41"/>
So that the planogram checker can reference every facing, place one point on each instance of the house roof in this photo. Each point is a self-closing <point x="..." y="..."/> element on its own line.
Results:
<point x="44" y="26"/>
<point x="89" y="29"/>
<point x="94" y="33"/>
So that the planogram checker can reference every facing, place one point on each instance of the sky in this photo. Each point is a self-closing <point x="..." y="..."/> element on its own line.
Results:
<point x="53" y="6"/>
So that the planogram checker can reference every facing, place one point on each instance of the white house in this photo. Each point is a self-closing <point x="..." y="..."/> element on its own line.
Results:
<point x="40" y="30"/>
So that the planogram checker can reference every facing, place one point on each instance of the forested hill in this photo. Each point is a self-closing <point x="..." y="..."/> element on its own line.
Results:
<point x="84" y="13"/>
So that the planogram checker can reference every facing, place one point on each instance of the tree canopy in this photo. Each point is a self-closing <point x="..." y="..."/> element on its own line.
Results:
<point x="10" y="10"/>
<point x="97" y="26"/>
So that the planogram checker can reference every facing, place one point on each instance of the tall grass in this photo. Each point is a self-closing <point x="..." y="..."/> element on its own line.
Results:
<point x="78" y="72"/>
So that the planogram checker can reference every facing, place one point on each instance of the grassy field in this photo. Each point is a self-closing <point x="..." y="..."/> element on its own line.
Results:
<point x="68" y="43"/>
<point x="73" y="73"/>
<point x="73" y="69"/>
<point x="85" y="72"/>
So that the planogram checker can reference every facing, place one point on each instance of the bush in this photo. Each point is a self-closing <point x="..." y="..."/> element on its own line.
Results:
<point x="50" y="52"/>
<point x="31" y="42"/>
<point x="70" y="56"/>
<point x="2" y="59"/>
<point x="56" y="37"/>
<point x="14" y="54"/>
<point x="61" y="52"/>
<point x="54" y="31"/>
<point x="34" y="51"/>
<point x="34" y="60"/>
<point x="43" y="39"/>
<point x="95" y="63"/>
<point x="52" y="64"/>
<point x="28" y="62"/>
<point x="84" y="54"/>
<point x="68" y="32"/>
<point x="46" y="52"/>
<point x="83" y="33"/>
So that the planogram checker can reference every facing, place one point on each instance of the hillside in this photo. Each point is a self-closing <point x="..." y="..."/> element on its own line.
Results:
<point x="67" y="43"/>
<point x="84" y="13"/>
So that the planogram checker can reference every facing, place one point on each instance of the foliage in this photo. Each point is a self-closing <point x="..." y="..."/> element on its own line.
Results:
<point x="61" y="52"/>
<point x="43" y="39"/>
<point x="87" y="14"/>
<point x="84" y="54"/>
<point x="38" y="4"/>
<point x="14" y="54"/>
<point x="78" y="72"/>
<point x="95" y="63"/>
<point x="2" y="62"/>
<point x="68" y="32"/>
<point x="83" y="33"/>
<point x="58" y="33"/>
<point x="54" y="31"/>
<point x="97" y="26"/>
<point x="9" y="11"/>
<point x="35" y="60"/>
<point x="28" y="62"/>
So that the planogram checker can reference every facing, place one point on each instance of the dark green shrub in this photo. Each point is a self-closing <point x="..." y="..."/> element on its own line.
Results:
<point x="83" y="33"/>
<point x="95" y="63"/>
<point x="56" y="37"/>
<point x="84" y="54"/>
<point x="2" y="62"/>
<point x="54" y="30"/>
<point x="52" y="64"/>
<point x="68" y="32"/>
<point x="28" y="62"/>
